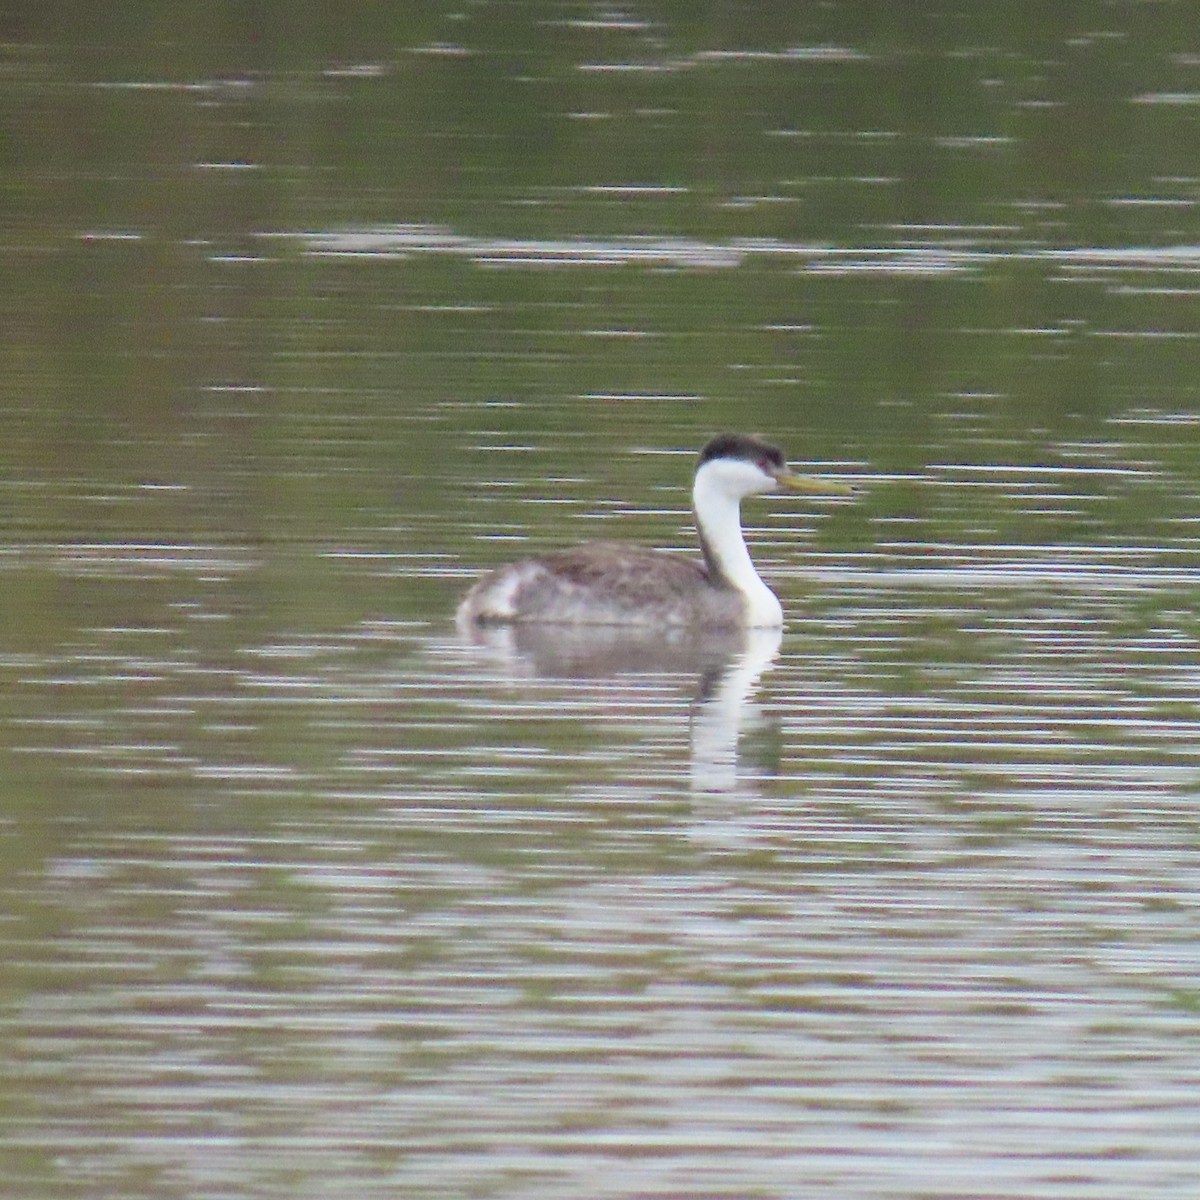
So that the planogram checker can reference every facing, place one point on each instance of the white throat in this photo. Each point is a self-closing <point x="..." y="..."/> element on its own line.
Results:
<point x="716" y="497"/>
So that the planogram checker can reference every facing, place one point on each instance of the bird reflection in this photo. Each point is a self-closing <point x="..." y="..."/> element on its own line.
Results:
<point x="725" y="711"/>
<point x="720" y="669"/>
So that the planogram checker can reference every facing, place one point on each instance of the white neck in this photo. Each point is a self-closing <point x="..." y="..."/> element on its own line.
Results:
<point x="716" y="498"/>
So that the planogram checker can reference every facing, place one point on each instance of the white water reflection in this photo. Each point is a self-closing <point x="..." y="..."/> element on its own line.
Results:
<point x="927" y="250"/>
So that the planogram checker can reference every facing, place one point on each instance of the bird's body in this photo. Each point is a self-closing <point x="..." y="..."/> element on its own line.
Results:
<point x="611" y="583"/>
<point x="604" y="583"/>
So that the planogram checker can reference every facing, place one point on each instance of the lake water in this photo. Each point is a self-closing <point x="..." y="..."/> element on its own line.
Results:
<point x="307" y="894"/>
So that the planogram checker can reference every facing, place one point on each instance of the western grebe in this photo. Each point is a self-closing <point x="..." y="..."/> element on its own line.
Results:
<point x="609" y="583"/>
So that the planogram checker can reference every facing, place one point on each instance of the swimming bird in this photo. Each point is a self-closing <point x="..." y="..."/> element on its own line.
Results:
<point x="611" y="583"/>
